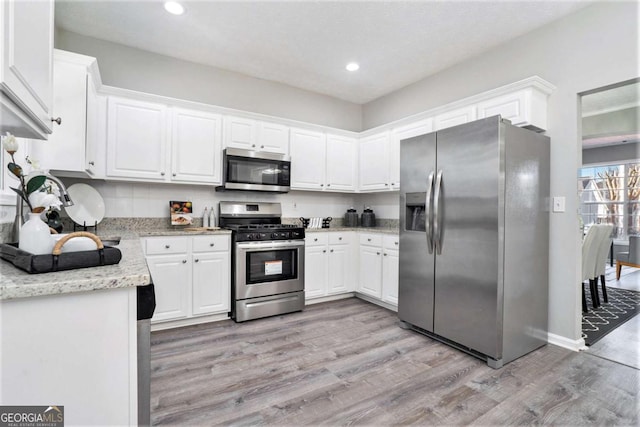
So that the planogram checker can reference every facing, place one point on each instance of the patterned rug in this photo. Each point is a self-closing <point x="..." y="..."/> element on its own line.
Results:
<point x="623" y="305"/>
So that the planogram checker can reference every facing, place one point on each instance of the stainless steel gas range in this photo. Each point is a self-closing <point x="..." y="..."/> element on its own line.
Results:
<point x="267" y="260"/>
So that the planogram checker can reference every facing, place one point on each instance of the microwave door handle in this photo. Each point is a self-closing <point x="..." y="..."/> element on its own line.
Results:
<point x="428" y="217"/>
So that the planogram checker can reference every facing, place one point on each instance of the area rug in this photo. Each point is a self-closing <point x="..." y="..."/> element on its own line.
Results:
<point x="623" y="305"/>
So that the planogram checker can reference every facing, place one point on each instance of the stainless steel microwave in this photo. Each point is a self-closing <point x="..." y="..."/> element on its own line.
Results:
<point x="255" y="171"/>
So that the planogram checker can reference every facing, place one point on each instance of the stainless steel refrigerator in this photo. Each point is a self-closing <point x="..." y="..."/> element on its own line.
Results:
<point x="474" y="238"/>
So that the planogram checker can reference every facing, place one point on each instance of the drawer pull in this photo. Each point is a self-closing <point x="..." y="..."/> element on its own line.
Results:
<point x="331" y="250"/>
<point x="196" y="260"/>
<point x="339" y="238"/>
<point x="213" y="244"/>
<point x="385" y="254"/>
<point x="368" y="240"/>
<point x="395" y="243"/>
<point x="167" y="246"/>
<point x="377" y="253"/>
<point x="184" y="261"/>
<point x="315" y="240"/>
<point x="324" y="250"/>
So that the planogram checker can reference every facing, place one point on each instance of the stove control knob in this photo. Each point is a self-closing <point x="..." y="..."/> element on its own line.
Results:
<point x="250" y="236"/>
<point x="274" y="235"/>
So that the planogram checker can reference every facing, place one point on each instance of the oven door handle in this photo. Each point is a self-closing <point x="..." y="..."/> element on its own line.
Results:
<point x="270" y="244"/>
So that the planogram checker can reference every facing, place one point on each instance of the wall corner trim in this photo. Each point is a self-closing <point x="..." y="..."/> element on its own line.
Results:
<point x="560" y="341"/>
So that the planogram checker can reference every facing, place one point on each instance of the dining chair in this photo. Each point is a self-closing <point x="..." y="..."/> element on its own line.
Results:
<point x="588" y="265"/>
<point x="603" y="247"/>
<point x="631" y="258"/>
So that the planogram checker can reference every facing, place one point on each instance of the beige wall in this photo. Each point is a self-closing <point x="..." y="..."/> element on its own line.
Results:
<point x="595" y="47"/>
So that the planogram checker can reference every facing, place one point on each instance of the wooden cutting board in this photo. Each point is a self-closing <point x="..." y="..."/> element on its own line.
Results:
<point x="201" y="228"/>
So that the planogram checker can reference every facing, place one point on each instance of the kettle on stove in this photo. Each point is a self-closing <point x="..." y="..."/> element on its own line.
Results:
<point x="351" y="218"/>
<point x="368" y="218"/>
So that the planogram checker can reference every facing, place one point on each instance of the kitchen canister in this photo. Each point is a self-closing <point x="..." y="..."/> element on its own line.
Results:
<point x="351" y="218"/>
<point x="368" y="218"/>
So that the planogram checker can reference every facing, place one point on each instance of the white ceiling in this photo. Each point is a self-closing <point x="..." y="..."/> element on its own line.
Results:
<point x="307" y="44"/>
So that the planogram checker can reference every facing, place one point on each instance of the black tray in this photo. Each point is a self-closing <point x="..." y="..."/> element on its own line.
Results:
<point x="65" y="261"/>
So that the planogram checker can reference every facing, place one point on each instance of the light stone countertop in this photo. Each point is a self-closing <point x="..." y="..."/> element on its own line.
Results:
<point x="383" y="230"/>
<point x="130" y="271"/>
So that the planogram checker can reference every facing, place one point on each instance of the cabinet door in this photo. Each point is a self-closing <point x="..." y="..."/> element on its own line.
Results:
<point x="370" y="271"/>
<point x="315" y="271"/>
<point x="455" y="117"/>
<point x="27" y="61"/>
<point x="308" y="159"/>
<point x="240" y="133"/>
<point x="340" y="262"/>
<point x="211" y="283"/>
<point x="405" y="132"/>
<point x="342" y="162"/>
<point x="136" y="139"/>
<point x="390" y="272"/>
<point x="171" y="276"/>
<point x="374" y="162"/>
<point x="273" y="138"/>
<point x="66" y="147"/>
<point x="196" y="146"/>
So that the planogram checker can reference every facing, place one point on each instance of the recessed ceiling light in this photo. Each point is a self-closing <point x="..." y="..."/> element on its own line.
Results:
<point x="174" y="7"/>
<point x="353" y="66"/>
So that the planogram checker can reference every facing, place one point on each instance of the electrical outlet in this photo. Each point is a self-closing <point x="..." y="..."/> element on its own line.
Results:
<point x="558" y="204"/>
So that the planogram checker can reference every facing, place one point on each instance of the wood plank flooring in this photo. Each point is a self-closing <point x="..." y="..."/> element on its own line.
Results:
<point x="348" y="362"/>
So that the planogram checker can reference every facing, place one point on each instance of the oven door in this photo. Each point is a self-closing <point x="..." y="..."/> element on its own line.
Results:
<point x="250" y="170"/>
<point x="268" y="268"/>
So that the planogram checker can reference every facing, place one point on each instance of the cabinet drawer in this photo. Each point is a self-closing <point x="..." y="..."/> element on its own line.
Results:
<point x="339" y="238"/>
<point x="371" y="239"/>
<point x="210" y="243"/>
<point x="316" y="239"/>
<point x="391" y="242"/>
<point x="165" y="245"/>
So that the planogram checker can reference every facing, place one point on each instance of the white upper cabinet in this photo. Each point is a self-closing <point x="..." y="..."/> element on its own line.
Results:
<point x="323" y="162"/>
<point x="374" y="162"/>
<point x="273" y="138"/>
<point x="69" y="150"/>
<point x="526" y="108"/>
<point x="26" y="67"/>
<point x="398" y="134"/>
<point x="137" y="139"/>
<point x="255" y="135"/>
<point x="455" y="117"/>
<point x="342" y="161"/>
<point x="196" y="146"/>
<point x="308" y="157"/>
<point x="240" y="133"/>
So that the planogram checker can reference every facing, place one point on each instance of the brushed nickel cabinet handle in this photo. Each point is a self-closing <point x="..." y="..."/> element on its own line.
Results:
<point x="57" y="120"/>
<point x="92" y="163"/>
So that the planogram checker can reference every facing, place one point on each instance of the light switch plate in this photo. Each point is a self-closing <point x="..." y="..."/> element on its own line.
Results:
<point x="558" y="204"/>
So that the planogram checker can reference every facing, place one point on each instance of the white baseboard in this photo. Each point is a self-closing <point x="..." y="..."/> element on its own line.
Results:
<point x="328" y="298"/>
<point x="188" y="322"/>
<point x="560" y="341"/>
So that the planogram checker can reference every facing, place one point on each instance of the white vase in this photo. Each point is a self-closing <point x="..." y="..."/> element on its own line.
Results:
<point x="35" y="236"/>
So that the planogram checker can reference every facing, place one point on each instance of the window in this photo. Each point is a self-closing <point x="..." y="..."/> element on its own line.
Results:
<point x="610" y="195"/>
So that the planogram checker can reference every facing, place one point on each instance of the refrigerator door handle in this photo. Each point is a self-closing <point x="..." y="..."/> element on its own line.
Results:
<point x="428" y="218"/>
<point x="437" y="226"/>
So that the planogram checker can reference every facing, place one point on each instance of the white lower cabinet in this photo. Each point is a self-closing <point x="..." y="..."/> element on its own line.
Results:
<point x="191" y="275"/>
<point x="329" y="266"/>
<point x="378" y="267"/>
<point x="171" y="277"/>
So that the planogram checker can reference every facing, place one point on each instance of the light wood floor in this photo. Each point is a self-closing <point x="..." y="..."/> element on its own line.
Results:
<point x="348" y="362"/>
